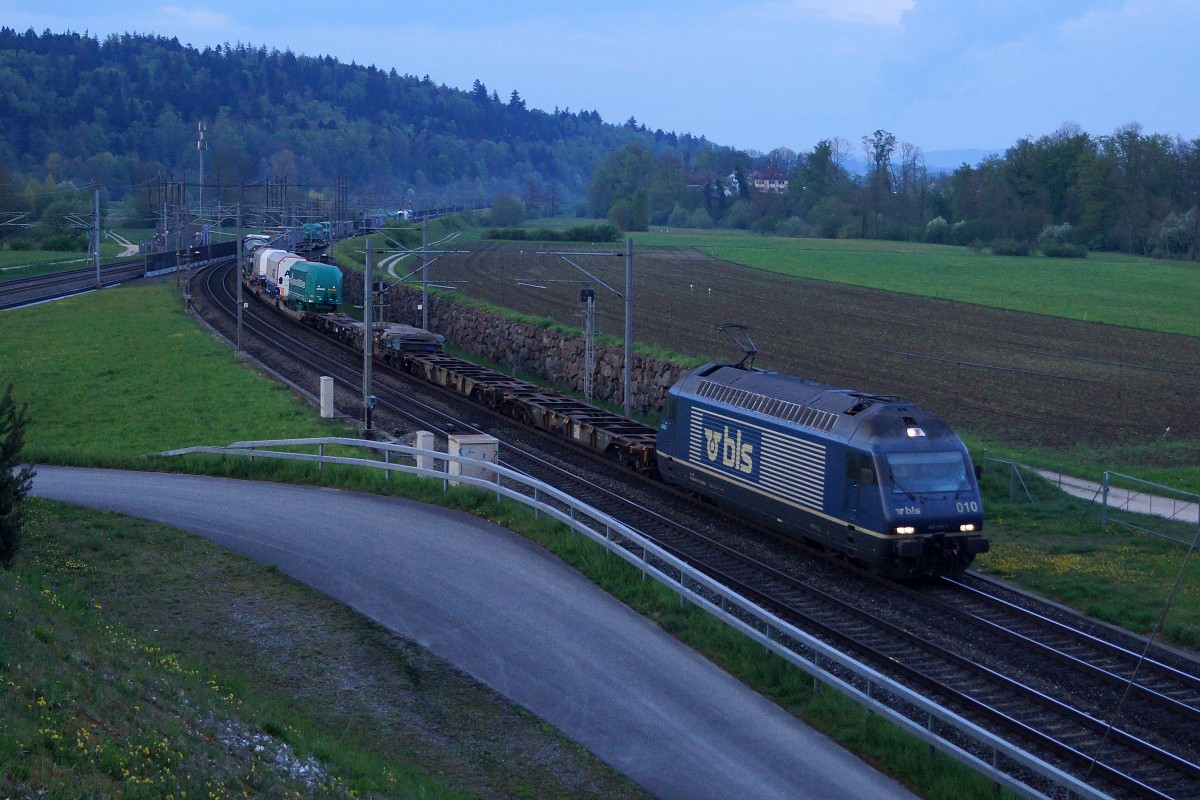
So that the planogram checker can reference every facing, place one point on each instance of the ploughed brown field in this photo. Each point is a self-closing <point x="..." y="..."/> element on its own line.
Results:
<point x="1012" y="377"/>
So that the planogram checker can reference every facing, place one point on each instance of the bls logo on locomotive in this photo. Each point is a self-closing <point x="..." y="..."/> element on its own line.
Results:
<point x="731" y="451"/>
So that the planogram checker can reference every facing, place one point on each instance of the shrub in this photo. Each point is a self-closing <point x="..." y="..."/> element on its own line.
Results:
<point x="937" y="230"/>
<point x="740" y="215"/>
<point x="1008" y="247"/>
<point x="1055" y="234"/>
<point x="766" y="225"/>
<point x="604" y="232"/>
<point x="895" y="232"/>
<point x="507" y="211"/>
<point x="699" y="219"/>
<point x="852" y="229"/>
<point x="966" y="232"/>
<point x="579" y="233"/>
<point x="795" y="228"/>
<point x="831" y="219"/>
<point x="515" y="234"/>
<point x="64" y="243"/>
<point x="631" y="213"/>
<point x="1063" y="250"/>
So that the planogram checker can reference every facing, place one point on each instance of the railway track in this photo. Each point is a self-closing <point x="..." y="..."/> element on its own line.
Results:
<point x="52" y="285"/>
<point x="1095" y="703"/>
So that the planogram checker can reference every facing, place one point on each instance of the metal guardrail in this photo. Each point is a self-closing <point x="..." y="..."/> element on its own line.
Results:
<point x="1000" y="761"/>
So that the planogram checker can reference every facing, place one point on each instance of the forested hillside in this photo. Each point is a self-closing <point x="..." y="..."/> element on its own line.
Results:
<point x="124" y="112"/>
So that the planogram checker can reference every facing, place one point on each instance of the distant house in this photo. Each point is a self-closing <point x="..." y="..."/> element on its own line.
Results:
<point x="769" y="180"/>
<point x="732" y="185"/>
<point x="715" y="184"/>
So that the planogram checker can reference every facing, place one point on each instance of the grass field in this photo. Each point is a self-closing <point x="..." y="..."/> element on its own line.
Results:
<point x="1105" y="287"/>
<point x="118" y="374"/>
<point x="1056" y="547"/>
<point x="114" y="375"/>
<point x="145" y="379"/>
<point x="80" y="585"/>
<point x="26" y="263"/>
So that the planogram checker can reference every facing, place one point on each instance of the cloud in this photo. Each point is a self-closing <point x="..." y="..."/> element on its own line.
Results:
<point x="1027" y="68"/>
<point x="196" y="18"/>
<point x="868" y="12"/>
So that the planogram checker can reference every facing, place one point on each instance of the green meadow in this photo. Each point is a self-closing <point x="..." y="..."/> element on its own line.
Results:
<point x="1104" y="287"/>
<point x="113" y="375"/>
<point x="26" y="263"/>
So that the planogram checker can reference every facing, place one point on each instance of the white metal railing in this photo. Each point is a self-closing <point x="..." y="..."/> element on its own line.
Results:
<point x="1175" y="505"/>
<point x="959" y="738"/>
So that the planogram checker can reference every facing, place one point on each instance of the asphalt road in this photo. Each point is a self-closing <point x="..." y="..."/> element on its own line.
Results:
<point x="514" y="617"/>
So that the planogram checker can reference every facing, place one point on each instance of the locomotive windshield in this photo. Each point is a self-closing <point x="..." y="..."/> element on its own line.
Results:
<point x="925" y="473"/>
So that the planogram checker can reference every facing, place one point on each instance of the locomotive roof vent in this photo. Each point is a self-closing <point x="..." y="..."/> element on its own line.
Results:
<point x="766" y="405"/>
<point x="865" y="401"/>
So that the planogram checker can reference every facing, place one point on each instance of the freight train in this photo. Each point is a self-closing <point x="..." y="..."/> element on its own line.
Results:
<point x="393" y="342"/>
<point x="880" y="480"/>
<point x="310" y="292"/>
<point x="288" y="281"/>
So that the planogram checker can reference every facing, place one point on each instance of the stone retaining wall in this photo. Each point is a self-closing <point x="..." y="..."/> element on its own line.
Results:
<point x="534" y="350"/>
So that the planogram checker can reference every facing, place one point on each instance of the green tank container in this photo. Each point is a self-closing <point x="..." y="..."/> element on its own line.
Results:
<point x="314" y="287"/>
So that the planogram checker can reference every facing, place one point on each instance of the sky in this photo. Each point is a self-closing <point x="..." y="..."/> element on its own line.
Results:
<point x="752" y="74"/>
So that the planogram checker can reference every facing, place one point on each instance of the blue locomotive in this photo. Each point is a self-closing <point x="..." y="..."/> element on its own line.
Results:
<point x="883" y="481"/>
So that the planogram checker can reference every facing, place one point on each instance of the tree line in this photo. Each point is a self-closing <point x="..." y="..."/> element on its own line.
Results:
<point x="1064" y="193"/>
<point x="123" y="112"/>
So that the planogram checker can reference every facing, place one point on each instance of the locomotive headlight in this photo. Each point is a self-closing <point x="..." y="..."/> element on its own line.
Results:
<point x="906" y="529"/>
<point x="966" y="528"/>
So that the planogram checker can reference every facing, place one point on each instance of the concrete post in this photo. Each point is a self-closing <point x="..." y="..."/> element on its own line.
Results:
<point x="425" y="441"/>
<point x="327" y="409"/>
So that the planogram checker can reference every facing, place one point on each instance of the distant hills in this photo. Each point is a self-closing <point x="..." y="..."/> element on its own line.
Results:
<point x="125" y="111"/>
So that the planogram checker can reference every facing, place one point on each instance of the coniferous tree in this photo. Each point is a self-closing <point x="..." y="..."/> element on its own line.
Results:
<point x="14" y="482"/>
